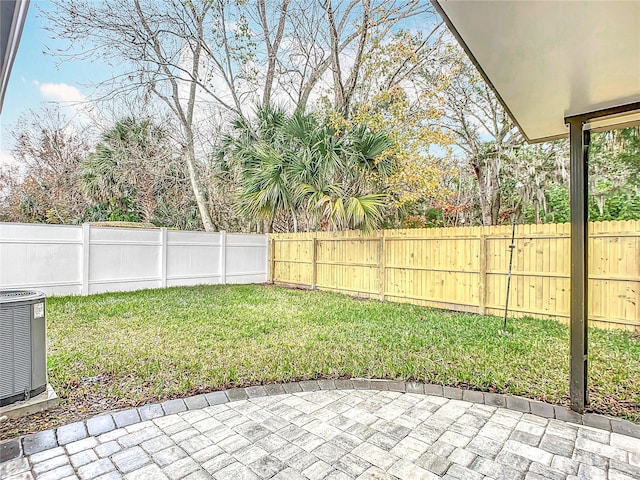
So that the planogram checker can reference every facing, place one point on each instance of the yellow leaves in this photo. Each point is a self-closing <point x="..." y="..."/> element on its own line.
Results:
<point x="412" y="124"/>
<point x="338" y="122"/>
<point x="419" y="178"/>
<point x="397" y="101"/>
<point x="386" y="111"/>
<point x="51" y="216"/>
<point x="385" y="55"/>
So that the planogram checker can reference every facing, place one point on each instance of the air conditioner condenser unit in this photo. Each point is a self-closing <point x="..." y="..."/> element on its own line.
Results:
<point x="23" y="345"/>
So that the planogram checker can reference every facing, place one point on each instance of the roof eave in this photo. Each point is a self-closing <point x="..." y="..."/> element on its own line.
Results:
<point x="11" y="30"/>
<point x="486" y="78"/>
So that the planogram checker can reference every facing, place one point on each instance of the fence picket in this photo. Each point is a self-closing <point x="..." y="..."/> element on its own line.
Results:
<point x="465" y="268"/>
<point x="63" y="259"/>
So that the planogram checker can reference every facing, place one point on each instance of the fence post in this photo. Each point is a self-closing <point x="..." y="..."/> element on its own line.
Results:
<point x="223" y="257"/>
<point x="482" y="291"/>
<point x="267" y="266"/>
<point x="314" y="262"/>
<point x="163" y="257"/>
<point x="86" y="248"/>
<point x="381" y="266"/>
<point x="272" y="259"/>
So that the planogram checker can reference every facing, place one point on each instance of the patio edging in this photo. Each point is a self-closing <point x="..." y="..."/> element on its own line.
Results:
<point x="100" y="424"/>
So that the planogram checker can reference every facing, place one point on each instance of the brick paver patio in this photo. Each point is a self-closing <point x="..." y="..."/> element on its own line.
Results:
<point x="332" y="434"/>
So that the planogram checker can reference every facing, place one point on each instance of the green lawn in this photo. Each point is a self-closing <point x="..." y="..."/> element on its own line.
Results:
<point x="116" y="350"/>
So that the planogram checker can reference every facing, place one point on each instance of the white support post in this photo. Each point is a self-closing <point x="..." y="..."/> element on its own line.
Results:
<point x="86" y="248"/>
<point x="223" y="257"/>
<point x="163" y="257"/>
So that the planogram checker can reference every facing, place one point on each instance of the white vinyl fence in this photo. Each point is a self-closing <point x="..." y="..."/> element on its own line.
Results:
<point x="80" y="260"/>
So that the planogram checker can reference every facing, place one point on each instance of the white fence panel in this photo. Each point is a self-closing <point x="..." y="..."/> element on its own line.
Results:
<point x="193" y="258"/>
<point x="247" y="258"/>
<point x="63" y="260"/>
<point x="49" y="256"/>
<point x="124" y="259"/>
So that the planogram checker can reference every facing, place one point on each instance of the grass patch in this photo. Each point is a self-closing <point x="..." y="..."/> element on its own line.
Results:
<point x="121" y="349"/>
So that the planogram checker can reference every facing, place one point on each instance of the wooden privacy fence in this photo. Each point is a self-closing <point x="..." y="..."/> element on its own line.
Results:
<point x="465" y="268"/>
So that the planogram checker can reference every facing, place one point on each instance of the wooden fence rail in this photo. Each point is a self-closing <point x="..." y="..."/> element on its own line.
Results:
<point x="465" y="268"/>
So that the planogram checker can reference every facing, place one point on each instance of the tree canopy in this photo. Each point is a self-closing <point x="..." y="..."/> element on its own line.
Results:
<point x="292" y="115"/>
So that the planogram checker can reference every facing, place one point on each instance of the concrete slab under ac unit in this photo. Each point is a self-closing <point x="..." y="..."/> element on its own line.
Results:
<point x="46" y="400"/>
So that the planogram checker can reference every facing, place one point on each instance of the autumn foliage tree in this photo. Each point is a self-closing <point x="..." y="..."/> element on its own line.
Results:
<point x="43" y="185"/>
<point x="392" y="99"/>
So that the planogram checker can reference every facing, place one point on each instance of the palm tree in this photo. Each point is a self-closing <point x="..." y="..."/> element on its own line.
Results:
<point x="293" y="165"/>
<point x="130" y="166"/>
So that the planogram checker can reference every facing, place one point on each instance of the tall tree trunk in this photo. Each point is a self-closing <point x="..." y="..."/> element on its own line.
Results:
<point x="307" y="88"/>
<point x="494" y="200"/>
<point x="352" y="82"/>
<point x="338" y="87"/>
<point x="185" y="117"/>
<point x="197" y="193"/>
<point x="485" y="206"/>
<point x="272" y="48"/>
<point x="188" y="125"/>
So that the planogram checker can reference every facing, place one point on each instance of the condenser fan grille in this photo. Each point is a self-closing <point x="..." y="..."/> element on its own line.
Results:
<point x="8" y="295"/>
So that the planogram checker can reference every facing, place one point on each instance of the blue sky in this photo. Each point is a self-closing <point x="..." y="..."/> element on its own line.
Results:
<point x="37" y="79"/>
